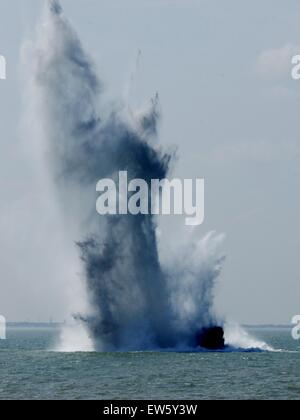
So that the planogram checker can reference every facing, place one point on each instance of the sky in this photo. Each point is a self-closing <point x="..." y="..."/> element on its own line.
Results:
<point x="230" y="105"/>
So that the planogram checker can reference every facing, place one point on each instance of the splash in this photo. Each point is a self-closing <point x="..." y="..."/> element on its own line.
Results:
<point x="237" y="338"/>
<point x="135" y="300"/>
<point x="74" y="337"/>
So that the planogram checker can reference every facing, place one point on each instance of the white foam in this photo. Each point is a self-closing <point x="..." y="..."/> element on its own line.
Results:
<point x="74" y="338"/>
<point x="237" y="337"/>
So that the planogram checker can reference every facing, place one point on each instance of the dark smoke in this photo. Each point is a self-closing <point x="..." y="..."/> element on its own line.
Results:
<point x="135" y="301"/>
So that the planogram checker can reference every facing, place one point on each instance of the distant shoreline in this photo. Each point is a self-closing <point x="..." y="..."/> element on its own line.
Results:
<point x="24" y="324"/>
<point x="35" y="324"/>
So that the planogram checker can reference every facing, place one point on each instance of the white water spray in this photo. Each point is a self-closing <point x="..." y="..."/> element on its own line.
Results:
<point x="133" y="301"/>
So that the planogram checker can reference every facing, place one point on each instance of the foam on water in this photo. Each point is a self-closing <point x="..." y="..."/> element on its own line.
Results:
<point x="237" y="338"/>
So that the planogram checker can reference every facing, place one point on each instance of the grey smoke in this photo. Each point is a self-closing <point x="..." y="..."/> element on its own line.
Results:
<point x="136" y="300"/>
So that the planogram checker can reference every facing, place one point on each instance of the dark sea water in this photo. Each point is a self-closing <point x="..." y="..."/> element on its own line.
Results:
<point x="28" y="370"/>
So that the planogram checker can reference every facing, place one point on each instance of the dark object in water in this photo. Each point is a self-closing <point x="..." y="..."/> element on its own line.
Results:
<point x="211" y="338"/>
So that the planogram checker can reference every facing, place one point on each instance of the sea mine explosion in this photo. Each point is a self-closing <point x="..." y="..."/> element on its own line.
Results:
<point x="136" y="299"/>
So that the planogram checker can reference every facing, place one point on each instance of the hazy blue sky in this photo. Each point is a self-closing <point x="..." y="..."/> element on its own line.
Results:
<point x="223" y="73"/>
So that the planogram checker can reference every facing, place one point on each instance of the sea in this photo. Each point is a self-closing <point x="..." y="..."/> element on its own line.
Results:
<point x="31" y="370"/>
